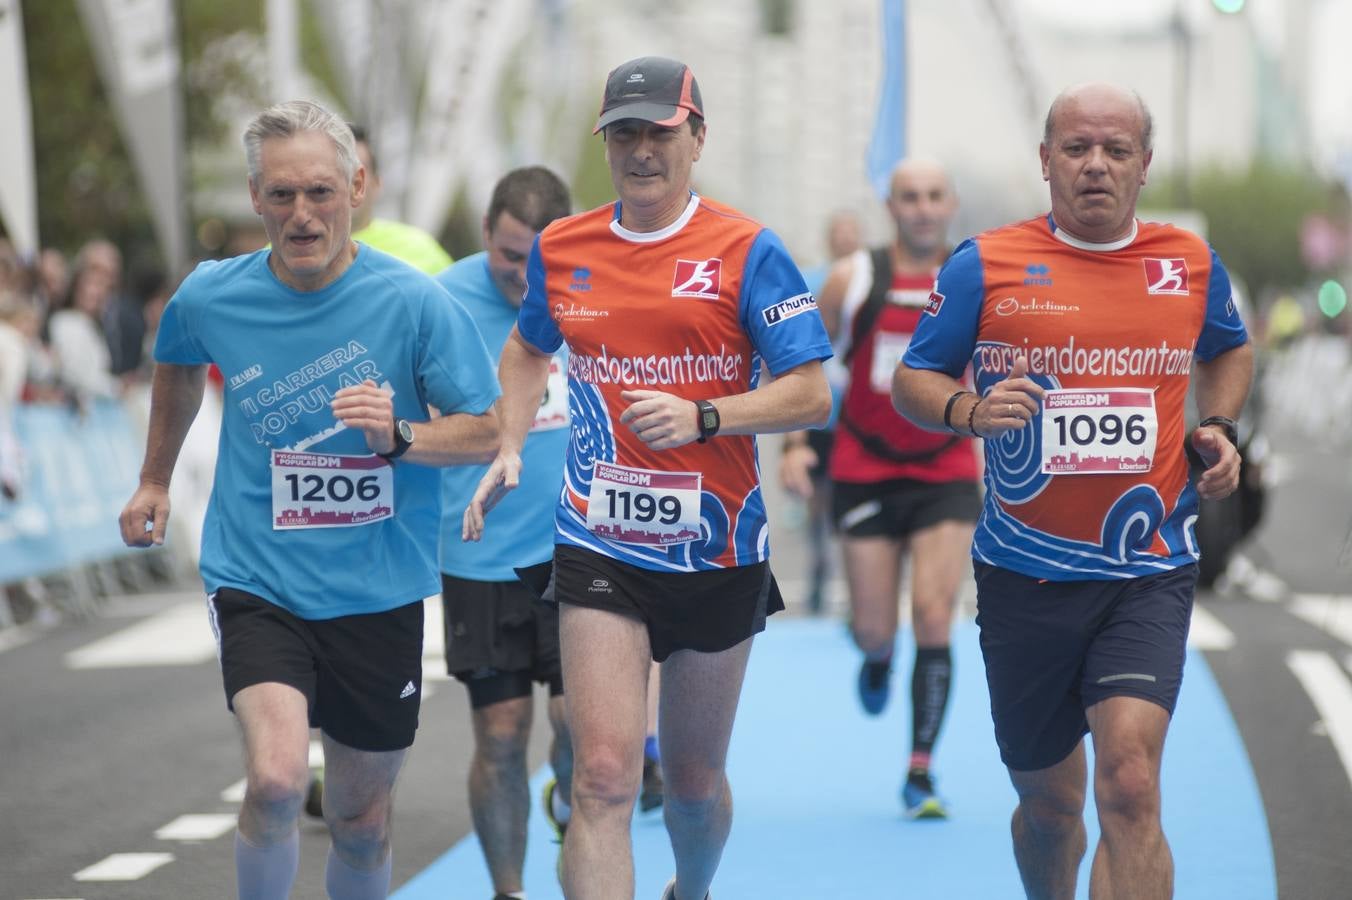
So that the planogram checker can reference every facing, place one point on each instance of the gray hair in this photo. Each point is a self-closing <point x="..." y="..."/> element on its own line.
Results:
<point x="291" y="118"/>
<point x="1147" y="121"/>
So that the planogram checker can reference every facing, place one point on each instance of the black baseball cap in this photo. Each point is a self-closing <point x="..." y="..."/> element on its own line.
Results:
<point x="653" y="88"/>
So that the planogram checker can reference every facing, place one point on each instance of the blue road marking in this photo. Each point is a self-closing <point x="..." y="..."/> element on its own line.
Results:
<point x="815" y="786"/>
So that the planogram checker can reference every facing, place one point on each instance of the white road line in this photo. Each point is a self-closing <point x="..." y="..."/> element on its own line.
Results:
<point x="1208" y="632"/>
<point x="179" y="636"/>
<point x="197" y="827"/>
<point x="1331" y="691"/>
<point x="124" y="867"/>
<point x="235" y="793"/>
<point x="1331" y="612"/>
<point x="15" y="636"/>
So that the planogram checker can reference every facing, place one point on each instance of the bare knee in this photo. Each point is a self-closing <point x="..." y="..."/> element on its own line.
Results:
<point x="1126" y="788"/>
<point x="361" y="839"/>
<point x="604" y="780"/>
<point x="1051" y="815"/>
<point x="275" y="793"/>
<point x="501" y="744"/>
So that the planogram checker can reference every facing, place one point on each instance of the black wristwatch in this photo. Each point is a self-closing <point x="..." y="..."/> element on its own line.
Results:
<point x="403" y="439"/>
<point x="708" y="419"/>
<point x="1227" y="425"/>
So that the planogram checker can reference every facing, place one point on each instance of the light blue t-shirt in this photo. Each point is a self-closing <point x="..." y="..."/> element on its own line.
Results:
<point x="284" y="354"/>
<point x="521" y="527"/>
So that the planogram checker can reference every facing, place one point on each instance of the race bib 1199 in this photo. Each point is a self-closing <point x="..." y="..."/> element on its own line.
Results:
<point x="642" y="506"/>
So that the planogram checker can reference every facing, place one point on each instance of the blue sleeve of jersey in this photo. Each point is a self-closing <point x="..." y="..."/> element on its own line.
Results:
<point x="534" y="322"/>
<point x="777" y="310"/>
<point x="454" y="368"/>
<point x="946" y="334"/>
<point x="1223" y="329"/>
<point x="177" y="341"/>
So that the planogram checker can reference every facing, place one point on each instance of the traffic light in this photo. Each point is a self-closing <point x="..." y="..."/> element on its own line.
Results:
<point x="1332" y="298"/>
<point x="1229" y="7"/>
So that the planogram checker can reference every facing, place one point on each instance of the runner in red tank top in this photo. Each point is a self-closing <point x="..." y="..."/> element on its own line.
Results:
<point x="897" y="487"/>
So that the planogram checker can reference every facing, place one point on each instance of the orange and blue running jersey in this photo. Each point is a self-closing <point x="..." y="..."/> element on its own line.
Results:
<point x="1096" y="486"/>
<point x="691" y="310"/>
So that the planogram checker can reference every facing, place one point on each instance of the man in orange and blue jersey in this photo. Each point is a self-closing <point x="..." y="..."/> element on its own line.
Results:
<point x="1083" y="328"/>
<point x="669" y="303"/>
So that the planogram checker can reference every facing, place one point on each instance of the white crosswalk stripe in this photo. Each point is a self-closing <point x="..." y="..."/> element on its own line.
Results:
<point x="124" y="867"/>
<point x="1331" y="690"/>
<point x="178" y="636"/>
<point x="197" y="827"/>
<point x="1329" y="612"/>
<point x="1207" y="631"/>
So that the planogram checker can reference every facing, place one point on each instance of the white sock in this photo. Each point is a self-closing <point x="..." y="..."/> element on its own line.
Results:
<point x="561" y="808"/>
<point x="266" y="873"/>
<point x="346" y="883"/>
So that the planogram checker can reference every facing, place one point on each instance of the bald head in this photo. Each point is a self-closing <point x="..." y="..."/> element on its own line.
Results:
<point x="1096" y="99"/>
<point x="922" y="204"/>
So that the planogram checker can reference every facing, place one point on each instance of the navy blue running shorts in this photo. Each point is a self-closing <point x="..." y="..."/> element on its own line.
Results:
<point x="361" y="675"/>
<point x="501" y="637"/>
<point x="708" y="611"/>
<point x="902" y="506"/>
<point x="1055" y="648"/>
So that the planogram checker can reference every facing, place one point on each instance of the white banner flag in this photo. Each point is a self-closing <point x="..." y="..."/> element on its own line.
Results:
<point x="18" y="194"/>
<point x="136" y="48"/>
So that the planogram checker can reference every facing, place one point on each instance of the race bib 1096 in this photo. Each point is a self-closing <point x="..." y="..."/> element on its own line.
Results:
<point x="1098" y="432"/>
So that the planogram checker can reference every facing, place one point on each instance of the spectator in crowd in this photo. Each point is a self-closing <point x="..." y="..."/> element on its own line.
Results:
<point x="120" y="316"/>
<point x="13" y="373"/>
<point x="77" y="337"/>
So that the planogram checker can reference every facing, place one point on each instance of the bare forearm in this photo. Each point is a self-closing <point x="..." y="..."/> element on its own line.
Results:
<point x="799" y="398"/>
<point x="523" y="373"/>
<point x="455" y="439"/>
<point x="1223" y="383"/>
<point x="921" y="395"/>
<point x="175" y="398"/>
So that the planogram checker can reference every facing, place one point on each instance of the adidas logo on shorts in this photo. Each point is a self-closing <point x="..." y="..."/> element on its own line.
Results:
<point x="408" y="691"/>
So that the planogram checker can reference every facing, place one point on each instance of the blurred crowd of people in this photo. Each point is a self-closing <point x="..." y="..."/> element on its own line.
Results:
<point x="72" y="330"/>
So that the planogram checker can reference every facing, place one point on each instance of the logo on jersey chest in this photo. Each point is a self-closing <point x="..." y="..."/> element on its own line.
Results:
<point x="700" y="278"/>
<point x="1166" y="276"/>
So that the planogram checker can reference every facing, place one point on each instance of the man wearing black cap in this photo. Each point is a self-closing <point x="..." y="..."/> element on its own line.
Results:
<point x="669" y="303"/>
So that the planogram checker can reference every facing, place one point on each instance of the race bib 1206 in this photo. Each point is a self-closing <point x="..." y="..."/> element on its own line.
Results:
<point x="326" y="490"/>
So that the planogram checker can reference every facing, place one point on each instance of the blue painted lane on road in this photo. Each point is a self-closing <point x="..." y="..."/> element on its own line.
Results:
<point x="815" y="785"/>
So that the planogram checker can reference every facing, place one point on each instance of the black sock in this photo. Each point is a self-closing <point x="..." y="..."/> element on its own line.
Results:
<point x="929" y="700"/>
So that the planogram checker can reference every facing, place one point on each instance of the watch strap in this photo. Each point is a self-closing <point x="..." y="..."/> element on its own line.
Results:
<point x="1227" y="424"/>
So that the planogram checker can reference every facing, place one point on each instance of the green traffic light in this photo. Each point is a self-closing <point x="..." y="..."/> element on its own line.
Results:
<point x="1228" y="6"/>
<point x="1332" y="298"/>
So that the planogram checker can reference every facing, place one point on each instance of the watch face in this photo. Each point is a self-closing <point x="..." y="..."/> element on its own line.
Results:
<point x="710" y="419"/>
<point x="405" y="430"/>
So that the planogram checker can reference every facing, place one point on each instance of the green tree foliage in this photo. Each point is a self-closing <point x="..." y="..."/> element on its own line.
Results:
<point x="85" y="182"/>
<point x="1255" y="217"/>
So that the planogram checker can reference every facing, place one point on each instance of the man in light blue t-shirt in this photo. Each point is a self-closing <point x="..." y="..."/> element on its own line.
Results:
<point x="319" y="540"/>
<point x="500" y="635"/>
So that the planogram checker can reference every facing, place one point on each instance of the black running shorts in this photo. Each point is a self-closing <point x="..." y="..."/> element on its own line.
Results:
<point x="1055" y="648"/>
<point x="500" y="637"/>
<point x="902" y="506"/>
<point x="708" y="611"/>
<point x="361" y="675"/>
